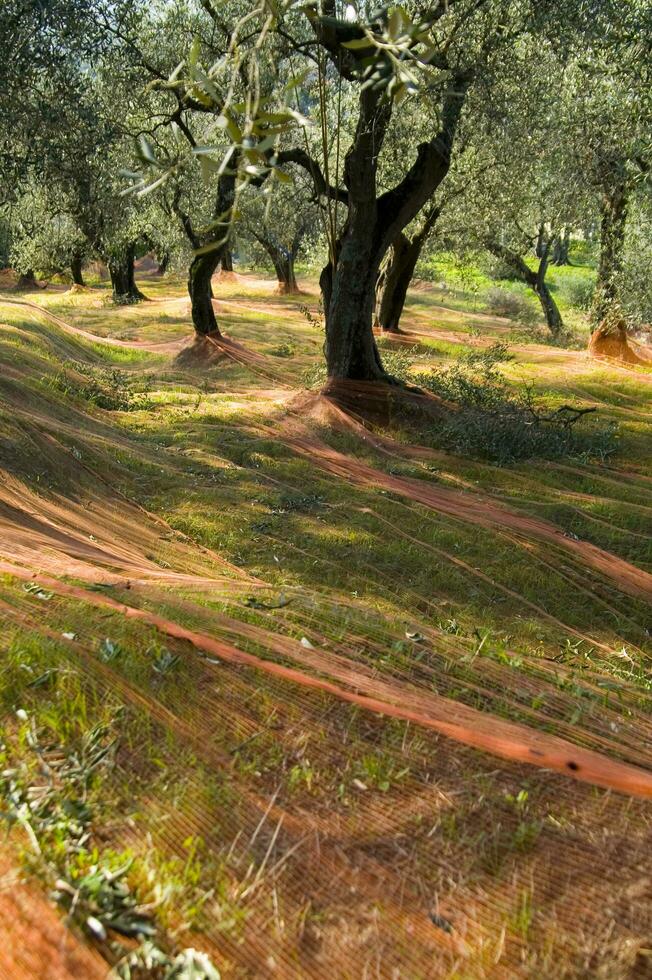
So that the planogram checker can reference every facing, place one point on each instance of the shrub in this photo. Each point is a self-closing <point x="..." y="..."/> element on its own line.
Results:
<point x="577" y="290"/>
<point x="507" y="302"/>
<point x="495" y="422"/>
<point x="283" y="350"/>
<point x="489" y="418"/>
<point x="398" y="361"/>
<point x="107" y="388"/>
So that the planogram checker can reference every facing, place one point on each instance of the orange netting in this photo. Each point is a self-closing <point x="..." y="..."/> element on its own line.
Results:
<point x="361" y="881"/>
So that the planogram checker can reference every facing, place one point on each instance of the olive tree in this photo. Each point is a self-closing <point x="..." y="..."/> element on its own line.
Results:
<point x="45" y="238"/>
<point x="277" y="219"/>
<point x="364" y="66"/>
<point x="608" y="105"/>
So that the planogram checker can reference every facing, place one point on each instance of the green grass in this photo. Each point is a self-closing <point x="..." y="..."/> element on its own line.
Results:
<point x="466" y="285"/>
<point x="407" y="593"/>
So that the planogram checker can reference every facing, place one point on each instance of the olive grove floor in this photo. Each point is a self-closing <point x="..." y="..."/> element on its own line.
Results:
<point x="368" y="709"/>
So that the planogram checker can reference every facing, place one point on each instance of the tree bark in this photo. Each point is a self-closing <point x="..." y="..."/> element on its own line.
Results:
<point x="226" y="262"/>
<point x="393" y="282"/>
<point x="27" y="280"/>
<point x="282" y="258"/>
<point x="372" y="224"/>
<point x="163" y="260"/>
<point x="76" y="266"/>
<point x="121" y="271"/>
<point x="285" y="274"/>
<point x="612" y="241"/>
<point x="548" y="305"/>
<point x="560" y="249"/>
<point x="202" y="269"/>
<point x="208" y="254"/>
<point x="535" y="280"/>
<point x="395" y="277"/>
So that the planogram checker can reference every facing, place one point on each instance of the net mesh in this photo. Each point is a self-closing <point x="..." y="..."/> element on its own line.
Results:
<point x="353" y="774"/>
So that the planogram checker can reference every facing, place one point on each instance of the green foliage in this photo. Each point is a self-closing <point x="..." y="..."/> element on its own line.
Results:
<point x="488" y="418"/>
<point x="495" y="422"/>
<point x="49" y="788"/>
<point x="57" y="817"/>
<point x="380" y="772"/>
<point x="44" y="238"/>
<point x="634" y="280"/>
<point x="508" y="303"/>
<point x="283" y="350"/>
<point x="151" y="962"/>
<point x="107" y="388"/>
<point x="577" y="290"/>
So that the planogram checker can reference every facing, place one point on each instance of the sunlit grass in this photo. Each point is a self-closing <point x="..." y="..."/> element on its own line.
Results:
<point x="460" y="611"/>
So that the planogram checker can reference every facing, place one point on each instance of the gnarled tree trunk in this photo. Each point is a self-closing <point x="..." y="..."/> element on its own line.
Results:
<point x="396" y="274"/>
<point x="372" y="224"/>
<point x="282" y="256"/>
<point x="76" y="269"/>
<point x="535" y="280"/>
<point x="200" y="274"/>
<point x="392" y="285"/>
<point x="121" y="270"/>
<point x="208" y="254"/>
<point x="285" y="274"/>
<point x="612" y="241"/>
<point x="548" y="305"/>
<point x="226" y="262"/>
<point x="349" y="295"/>
<point x="163" y="259"/>
<point x="560" y="248"/>
<point x="27" y="280"/>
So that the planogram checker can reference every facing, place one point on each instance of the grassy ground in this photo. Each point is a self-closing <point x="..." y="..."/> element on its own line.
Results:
<point x="471" y="284"/>
<point x="176" y="533"/>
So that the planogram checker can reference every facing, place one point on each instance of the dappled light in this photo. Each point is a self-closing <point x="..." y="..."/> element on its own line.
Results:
<point x="325" y="490"/>
<point x="389" y="608"/>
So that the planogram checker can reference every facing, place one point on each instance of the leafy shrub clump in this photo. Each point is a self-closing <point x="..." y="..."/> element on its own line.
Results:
<point x="283" y="350"/>
<point x="491" y="420"/>
<point x="107" y="388"/>
<point x="578" y="291"/>
<point x="50" y="790"/>
<point x="508" y="303"/>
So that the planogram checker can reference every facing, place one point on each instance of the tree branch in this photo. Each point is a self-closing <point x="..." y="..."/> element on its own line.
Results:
<point x="303" y="159"/>
<point x="399" y="205"/>
<point x="184" y="218"/>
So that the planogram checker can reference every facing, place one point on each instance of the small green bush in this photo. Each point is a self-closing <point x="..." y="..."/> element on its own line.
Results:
<point x="489" y="418"/>
<point x="107" y="388"/>
<point x="493" y="421"/>
<point x="283" y="350"/>
<point x="509" y="303"/>
<point x="577" y="290"/>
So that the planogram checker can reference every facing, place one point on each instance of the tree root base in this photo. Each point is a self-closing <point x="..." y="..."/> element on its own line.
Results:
<point x="201" y="352"/>
<point x="612" y="343"/>
<point x="370" y="403"/>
